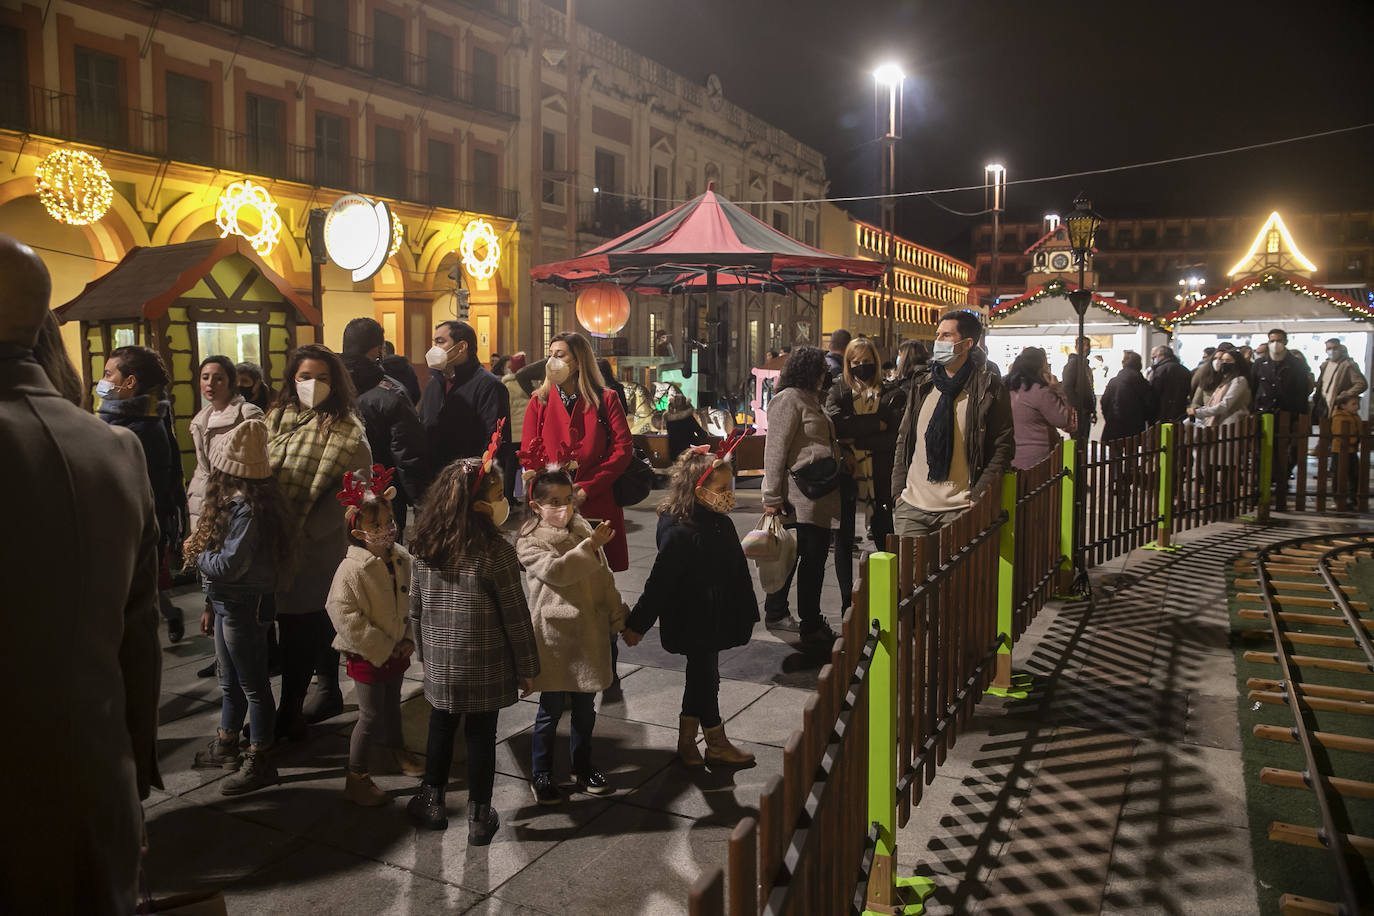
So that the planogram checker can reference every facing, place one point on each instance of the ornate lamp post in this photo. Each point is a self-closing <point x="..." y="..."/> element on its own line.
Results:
<point x="1082" y="226"/>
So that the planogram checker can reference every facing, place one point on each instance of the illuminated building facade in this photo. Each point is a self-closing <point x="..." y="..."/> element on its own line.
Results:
<point x="926" y="284"/>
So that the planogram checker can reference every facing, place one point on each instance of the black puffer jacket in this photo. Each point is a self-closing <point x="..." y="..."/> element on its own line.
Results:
<point x="393" y="427"/>
<point x="460" y="420"/>
<point x="699" y="591"/>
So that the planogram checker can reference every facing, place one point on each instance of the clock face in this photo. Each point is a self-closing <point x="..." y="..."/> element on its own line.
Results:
<point x="1060" y="261"/>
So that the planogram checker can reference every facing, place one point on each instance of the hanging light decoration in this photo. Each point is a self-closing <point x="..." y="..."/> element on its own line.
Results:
<point x="603" y="309"/>
<point x="245" y="195"/>
<point x="480" y="232"/>
<point x="398" y="234"/>
<point x="73" y="187"/>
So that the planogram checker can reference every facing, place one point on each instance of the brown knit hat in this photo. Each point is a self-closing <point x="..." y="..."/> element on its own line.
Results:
<point x="242" y="452"/>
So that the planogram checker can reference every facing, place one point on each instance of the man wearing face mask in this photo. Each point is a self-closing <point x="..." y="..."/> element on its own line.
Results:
<point x="1172" y="384"/>
<point x="1339" y="377"/>
<point x="463" y="404"/>
<point x="956" y="437"/>
<point x="393" y="427"/>
<point x="1282" y="379"/>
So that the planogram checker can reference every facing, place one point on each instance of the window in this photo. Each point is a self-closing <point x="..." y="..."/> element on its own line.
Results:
<point x="99" y="98"/>
<point x="440" y="173"/>
<point x="240" y="342"/>
<point x="331" y="151"/>
<point x="13" y="91"/>
<point x="389" y="167"/>
<point x="331" y="31"/>
<point x="654" y="327"/>
<point x="439" y="64"/>
<point x="662" y="192"/>
<point x="188" y="119"/>
<point x="484" y="180"/>
<point x="780" y="221"/>
<point x="809" y="233"/>
<point x="606" y="171"/>
<point x="548" y="191"/>
<point x="484" y="78"/>
<point x="755" y="340"/>
<point x="263" y="19"/>
<point x="551" y="326"/>
<point x="388" y="46"/>
<point x="266" y="141"/>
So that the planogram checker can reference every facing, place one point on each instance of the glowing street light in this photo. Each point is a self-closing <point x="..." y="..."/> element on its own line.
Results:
<point x="887" y="103"/>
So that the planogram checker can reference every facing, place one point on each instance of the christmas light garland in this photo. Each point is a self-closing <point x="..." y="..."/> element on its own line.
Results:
<point x="1058" y="287"/>
<point x="397" y="235"/>
<point x="1271" y="281"/>
<point x="73" y="187"/>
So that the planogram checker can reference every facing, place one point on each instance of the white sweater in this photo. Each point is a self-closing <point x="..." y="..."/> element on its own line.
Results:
<point x="370" y="610"/>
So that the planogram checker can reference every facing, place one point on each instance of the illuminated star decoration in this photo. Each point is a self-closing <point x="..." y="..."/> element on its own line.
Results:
<point x="73" y="187"/>
<point x="243" y="195"/>
<point x="480" y="231"/>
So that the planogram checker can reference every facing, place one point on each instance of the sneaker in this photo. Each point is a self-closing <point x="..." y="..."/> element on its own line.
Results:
<point x="788" y="624"/>
<point x="819" y="637"/>
<point x="255" y="772"/>
<point x="594" y="782"/>
<point x="220" y="754"/>
<point x="545" y="792"/>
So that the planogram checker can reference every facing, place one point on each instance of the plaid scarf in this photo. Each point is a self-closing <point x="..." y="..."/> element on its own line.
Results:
<point x="309" y="458"/>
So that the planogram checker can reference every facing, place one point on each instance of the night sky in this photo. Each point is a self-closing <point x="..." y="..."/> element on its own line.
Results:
<point x="1045" y="88"/>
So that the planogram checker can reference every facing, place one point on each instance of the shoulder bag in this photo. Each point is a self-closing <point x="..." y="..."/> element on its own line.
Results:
<point x="637" y="481"/>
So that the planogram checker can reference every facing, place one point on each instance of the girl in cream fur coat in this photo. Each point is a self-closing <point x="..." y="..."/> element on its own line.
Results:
<point x="369" y="603"/>
<point x="577" y="613"/>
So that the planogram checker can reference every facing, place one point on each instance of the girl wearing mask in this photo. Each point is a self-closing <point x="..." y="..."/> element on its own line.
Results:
<point x="252" y="387"/>
<point x="316" y="439"/>
<point x="132" y="395"/>
<point x="701" y="593"/>
<point x="1230" y="399"/>
<point x="866" y="410"/>
<point x="577" y="614"/>
<point x="574" y="411"/>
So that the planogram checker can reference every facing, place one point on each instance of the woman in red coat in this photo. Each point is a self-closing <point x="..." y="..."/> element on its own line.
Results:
<point x="574" y="408"/>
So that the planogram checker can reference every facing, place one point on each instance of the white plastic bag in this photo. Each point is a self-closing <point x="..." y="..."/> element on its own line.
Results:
<point x="762" y="542"/>
<point x="773" y="573"/>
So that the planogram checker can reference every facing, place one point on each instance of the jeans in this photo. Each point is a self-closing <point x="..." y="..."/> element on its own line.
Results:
<point x="479" y="731"/>
<point x="304" y="639"/>
<point x="551" y="703"/>
<point x="813" y="543"/>
<point x="701" y="693"/>
<point x="844" y="541"/>
<point x="911" y="522"/>
<point x="379" y="720"/>
<point x="241" y="663"/>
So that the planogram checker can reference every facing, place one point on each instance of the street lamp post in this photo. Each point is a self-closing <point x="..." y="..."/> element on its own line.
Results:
<point x="995" y="199"/>
<point x="1082" y="226"/>
<point x="887" y="98"/>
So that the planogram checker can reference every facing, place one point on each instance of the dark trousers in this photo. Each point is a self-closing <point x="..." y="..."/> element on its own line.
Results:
<point x="844" y="541"/>
<point x="379" y="720"/>
<point x="479" y="732"/>
<point x="551" y="703"/>
<point x="305" y="639"/>
<point x="701" y="693"/>
<point x="813" y="543"/>
<point x="510" y="467"/>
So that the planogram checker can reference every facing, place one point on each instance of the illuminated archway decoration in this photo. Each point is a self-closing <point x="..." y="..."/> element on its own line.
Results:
<point x="480" y="232"/>
<point x="398" y="234"/>
<point x="73" y="187"/>
<point x="245" y="195"/>
<point x="1271" y="245"/>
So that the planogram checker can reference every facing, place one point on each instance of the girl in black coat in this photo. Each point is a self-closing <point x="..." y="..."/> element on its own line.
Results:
<point x="701" y="589"/>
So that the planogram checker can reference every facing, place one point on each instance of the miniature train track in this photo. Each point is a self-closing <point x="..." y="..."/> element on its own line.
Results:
<point x="1312" y="606"/>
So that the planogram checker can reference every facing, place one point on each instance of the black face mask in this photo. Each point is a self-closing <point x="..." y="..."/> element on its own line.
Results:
<point x="864" y="372"/>
<point x="247" y="392"/>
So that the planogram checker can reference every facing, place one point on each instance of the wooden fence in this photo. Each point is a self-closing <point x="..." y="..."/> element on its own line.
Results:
<point x="1121" y="508"/>
<point x="1216" y="472"/>
<point x="1340" y="479"/>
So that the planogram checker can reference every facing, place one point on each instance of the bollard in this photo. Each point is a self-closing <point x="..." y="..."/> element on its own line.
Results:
<point x="1004" y="683"/>
<point x="1066" y="526"/>
<point x="1167" y="467"/>
<point x="887" y="893"/>
<point x="1266" y="466"/>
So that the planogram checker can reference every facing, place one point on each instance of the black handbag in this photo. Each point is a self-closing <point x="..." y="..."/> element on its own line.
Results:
<point x="819" y="478"/>
<point x="637" y="481"/>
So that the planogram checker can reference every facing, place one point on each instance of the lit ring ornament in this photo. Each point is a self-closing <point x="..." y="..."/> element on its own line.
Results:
<point x="398" y="233"/>
<point x="479" y="230"/>
<point x="73" y="187"/>
<point x="245" y="194"/>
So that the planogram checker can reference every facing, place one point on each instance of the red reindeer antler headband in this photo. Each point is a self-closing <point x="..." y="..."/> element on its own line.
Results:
<point x="488" y="456"/>
<point x="723" y="451"/>
<point x="535" y="458"/>
<point x="356" y="489"/>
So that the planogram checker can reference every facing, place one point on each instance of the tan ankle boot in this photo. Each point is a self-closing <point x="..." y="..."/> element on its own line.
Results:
<point x="687" y="728"/>
<point x="361" y="790"/>
<point x="719" y="750"/>
<point x="408" y="763"/>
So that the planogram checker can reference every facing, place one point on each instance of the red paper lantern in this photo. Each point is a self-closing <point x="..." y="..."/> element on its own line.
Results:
<point x="603" y="309"/>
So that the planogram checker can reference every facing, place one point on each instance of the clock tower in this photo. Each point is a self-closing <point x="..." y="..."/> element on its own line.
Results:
<point x="1052" y="258"/>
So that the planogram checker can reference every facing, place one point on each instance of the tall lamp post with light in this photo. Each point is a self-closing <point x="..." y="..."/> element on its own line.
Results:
<point x="995" y="199"/>
<point x="887" y="100"/>
<point x="1082" y="226"/>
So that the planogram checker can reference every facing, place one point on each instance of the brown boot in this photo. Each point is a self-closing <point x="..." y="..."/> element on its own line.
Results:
<point x="719" y="750"/>
<point x="361" y="790"/>
<point x="687" y="750"/>
<point x="387" y="761"/>
<point x="408" y="763"/>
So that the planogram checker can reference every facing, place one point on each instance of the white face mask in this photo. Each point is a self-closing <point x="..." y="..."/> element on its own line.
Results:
<point x="500" y="511"/>
<point x="312" y="393"/>
<point x="436" y="357"/>
<point x="943" y="352"/>
<point x="107" y="391"/>
<point x="557" y="370"/>
<point x="1277" y="350"/>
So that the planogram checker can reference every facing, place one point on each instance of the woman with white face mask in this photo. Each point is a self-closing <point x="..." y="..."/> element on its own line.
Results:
<point x="315" y="439"/>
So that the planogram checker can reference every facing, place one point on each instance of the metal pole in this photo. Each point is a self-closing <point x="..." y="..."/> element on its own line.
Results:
<point x="1081" y="586"/>
<point x="889" y="329"/>
<point x="995" y="239"/>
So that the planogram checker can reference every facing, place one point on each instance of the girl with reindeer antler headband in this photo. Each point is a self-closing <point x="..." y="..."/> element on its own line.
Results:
<point x="369" y="605"/>
<point x="700" y="593"/>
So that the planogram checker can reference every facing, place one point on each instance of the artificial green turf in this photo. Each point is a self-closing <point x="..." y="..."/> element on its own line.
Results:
<point x="1282" y="868"/>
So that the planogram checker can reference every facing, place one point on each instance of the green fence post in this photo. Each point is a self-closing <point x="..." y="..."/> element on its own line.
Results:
<point x="1066" y="511"/>
<point x="1004" y="683"/>
<point x="1266" y="465"/>
<point x="886" y="892"/>
<point x="1167" y="466"/>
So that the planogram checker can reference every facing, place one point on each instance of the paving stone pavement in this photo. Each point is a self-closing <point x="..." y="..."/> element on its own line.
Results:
<point x="1114" y="787"/>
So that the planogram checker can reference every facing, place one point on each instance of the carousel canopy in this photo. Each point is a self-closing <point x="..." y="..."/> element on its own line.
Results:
<point x="1272" y="298"/>
<point x="1047" y="309"/>
<point x="706" y="244"/>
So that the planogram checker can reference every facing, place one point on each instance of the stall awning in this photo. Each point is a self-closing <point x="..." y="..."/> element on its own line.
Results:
<point x="1272" y="298"/>
<point x="1049" y="305"/>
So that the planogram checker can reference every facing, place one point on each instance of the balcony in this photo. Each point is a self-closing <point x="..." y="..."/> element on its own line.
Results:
<point x="62" y="116"/>
<point x="282" y="26"/>
<point x="609" y="217"/>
